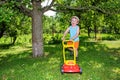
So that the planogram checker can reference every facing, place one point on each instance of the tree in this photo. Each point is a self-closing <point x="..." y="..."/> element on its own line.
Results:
<point x="12" y="22"/>
<point x="34" y="9"/>
<point x="36" y="13"/>
<point x="92" y="21"/>
<point x="2" y="28"/>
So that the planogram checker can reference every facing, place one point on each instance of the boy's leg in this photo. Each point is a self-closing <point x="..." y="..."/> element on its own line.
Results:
<point x="76" y="49"/>
<point x="76" y="45"/>
<point x="70" y="49"/>
<point x="70" y="43"/>
<point x="76" y="52"/>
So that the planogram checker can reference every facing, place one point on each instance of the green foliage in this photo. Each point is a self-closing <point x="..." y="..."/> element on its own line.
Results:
<point x="89" y="18"/>
<point x="112" y="6"/>
<point x="108" y="38"/>
<point x="24" y="39"/>
<point x="111" y="37"/>
<point x="57" y="38"/>
<point x="47" y="38"/>
<point x="6" y="14"/>
<point x="105" y="19"/>
<point x="21" y="39"/>
<point x="15" y="22"/>
<point x="52" y="39"/>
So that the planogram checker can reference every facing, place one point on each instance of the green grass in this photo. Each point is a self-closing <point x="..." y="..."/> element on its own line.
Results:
<point x="98" y="60"/>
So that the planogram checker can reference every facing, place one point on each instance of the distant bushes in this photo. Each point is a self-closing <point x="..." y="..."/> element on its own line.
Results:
<point x="111" y="37"/>
<point x="52" y="39"/>
<point x="22" y="39"/>
<point x="55" y="39"/>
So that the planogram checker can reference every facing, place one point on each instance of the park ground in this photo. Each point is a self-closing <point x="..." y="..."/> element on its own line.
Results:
<point x="99" y="60"/>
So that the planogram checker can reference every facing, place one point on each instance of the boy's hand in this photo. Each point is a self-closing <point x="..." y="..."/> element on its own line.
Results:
<point x="71" y="39"/>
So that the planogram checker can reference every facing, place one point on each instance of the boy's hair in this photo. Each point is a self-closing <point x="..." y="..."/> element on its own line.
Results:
<point x="76" y="18"/>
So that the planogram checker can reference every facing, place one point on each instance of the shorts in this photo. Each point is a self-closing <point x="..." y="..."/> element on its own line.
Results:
<point x="76" y="44"/>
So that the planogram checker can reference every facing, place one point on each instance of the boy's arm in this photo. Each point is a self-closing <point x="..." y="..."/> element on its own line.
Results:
<point x="77" y="34"/>
<point x="67" y="30"/>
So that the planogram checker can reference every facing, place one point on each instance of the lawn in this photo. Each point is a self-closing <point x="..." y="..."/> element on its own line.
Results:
<point x="98" y="60"/>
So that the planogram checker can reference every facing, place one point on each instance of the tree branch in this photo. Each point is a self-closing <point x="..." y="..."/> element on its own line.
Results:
<point x="61" y="10"/>
<point x="25" y="10"/>
<point x="22" y="8"/>
<point x="46" y="8"/>
<point x="79" y="8"/>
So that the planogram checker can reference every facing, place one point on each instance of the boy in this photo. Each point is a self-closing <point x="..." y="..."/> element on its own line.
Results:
<point x="74" y="33"/>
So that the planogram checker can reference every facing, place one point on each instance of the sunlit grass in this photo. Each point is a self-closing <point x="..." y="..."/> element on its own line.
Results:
<point x="112" y="44"/>
<point x="98" y="60"/>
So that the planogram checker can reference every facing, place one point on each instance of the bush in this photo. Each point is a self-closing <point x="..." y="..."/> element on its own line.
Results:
<point x="110" y="37"/>
<point x="57" y="38"/>
<point x="49" y="39"/>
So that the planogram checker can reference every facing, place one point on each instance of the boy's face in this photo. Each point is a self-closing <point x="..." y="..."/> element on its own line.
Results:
<point x="74" y="21"/>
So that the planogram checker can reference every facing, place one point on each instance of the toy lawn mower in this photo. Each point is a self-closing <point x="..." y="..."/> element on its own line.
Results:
<point x="70" y="65"/>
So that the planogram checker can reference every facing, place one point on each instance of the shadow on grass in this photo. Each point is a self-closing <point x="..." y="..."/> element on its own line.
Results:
<point x="23" y="65"/>
<point x="97" y="61"/>
<point x="5" y="46"/>
<point x="101" y="62"/>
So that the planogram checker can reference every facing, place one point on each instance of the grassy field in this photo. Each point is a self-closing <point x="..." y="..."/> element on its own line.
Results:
<point x="98" y="60"/>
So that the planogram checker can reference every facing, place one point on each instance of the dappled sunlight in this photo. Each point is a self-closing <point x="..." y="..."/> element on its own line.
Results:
<point x="49" y="76"/>
<point x="83" y="48"/>
<point x="35" y="65"/>
<point x="114" y="51"/>
<point x="11" y="55"/>
<point x="96" y="60"/>
<point x="116" y="70"/>
<point x="50" y="46"/>
<point x="54" y="60"/>
<point x="95" y="64"/>
<point x="111" y="44"/>
<point x="114" y="57"/>
<point x="14" y="52"/>
<point x="46" y="54"/>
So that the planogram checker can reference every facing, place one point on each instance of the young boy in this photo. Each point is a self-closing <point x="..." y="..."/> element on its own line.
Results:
<point x="74" y="33"/>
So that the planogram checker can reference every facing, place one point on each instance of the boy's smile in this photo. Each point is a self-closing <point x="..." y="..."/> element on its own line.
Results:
<point x="74" y="21"/>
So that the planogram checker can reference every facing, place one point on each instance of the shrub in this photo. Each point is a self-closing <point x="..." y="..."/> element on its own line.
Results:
<point x="47" y="38"/>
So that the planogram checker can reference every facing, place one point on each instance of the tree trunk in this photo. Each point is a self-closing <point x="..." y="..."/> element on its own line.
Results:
<point x="116" y="30"/>
<point x="14" y="39"/>
<point x="95" y="31"/>
<point x="89" y="31"/>
<point x="2" y="28"/>
<point x="37" y="33"/>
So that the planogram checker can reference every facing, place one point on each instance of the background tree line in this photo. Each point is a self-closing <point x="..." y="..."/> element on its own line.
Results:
<point x="18" y="17"/>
